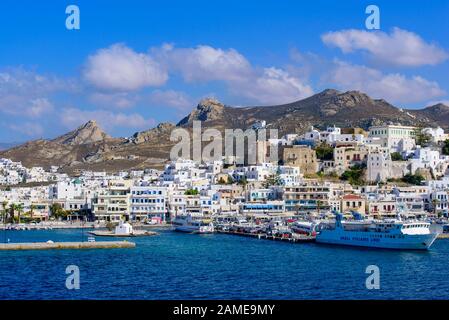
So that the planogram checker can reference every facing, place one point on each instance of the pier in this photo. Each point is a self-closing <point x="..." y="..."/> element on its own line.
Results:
<point x="298" y="239"/>
<point x="67" y="245"/>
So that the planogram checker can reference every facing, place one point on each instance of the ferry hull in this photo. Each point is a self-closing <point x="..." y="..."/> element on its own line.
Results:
<point x="185" y="229"/>
<point x="189" y="229"/>
<point x="362" y="239"/>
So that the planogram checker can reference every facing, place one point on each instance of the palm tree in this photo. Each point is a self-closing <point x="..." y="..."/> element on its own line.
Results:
<point x="4" y="211"/>
<point x="32" y="208"/>
<point x="19" y="209"/>
<point x="12" y="211"/>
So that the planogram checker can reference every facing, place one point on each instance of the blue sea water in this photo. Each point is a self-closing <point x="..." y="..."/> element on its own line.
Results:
<point x="184" y="266"/>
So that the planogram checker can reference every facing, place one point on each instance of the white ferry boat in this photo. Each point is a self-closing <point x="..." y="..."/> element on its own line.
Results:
<point x="190" y="225"/>
<point x="388" y="234"/>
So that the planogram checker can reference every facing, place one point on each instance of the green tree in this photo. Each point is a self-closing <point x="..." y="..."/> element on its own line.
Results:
<point x="57" y="211"/>
<point x="19" y="209"/>
<point x="396" y="156"/>
<point x="4" y="211"/>
<point x="415" y="179"/>
<point x="12" y="211"/>
<point x="243" y="181"/>
<point x="32" y="208"/>
<point x="354" y="175"/>
<point x="324" y="152"/>
<point x="445" y="149"/>
<point x="421" y="138"/>
<point x="191" y="192"/>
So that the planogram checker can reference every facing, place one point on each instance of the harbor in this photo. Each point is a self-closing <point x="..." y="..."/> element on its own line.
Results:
<point x="331" y="228"/>
<point x="175" y="265"/>
<point x="335" y="228"/>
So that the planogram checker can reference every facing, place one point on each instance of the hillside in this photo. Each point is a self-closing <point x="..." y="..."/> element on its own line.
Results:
<point x="88" y="147"/>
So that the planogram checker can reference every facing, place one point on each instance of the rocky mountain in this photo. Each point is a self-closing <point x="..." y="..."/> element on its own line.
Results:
<point x="345" y="109"/>
<point x="68" y="150"/>
<point x="160" y="131"/>
<point x="438" y="113"/>
<point x="208" y="110"/>
<point x="88" y="133"/>
<point x="88" y="147"/>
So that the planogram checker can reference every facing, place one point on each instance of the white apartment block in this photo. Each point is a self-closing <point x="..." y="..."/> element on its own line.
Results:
<point x="112" y="204"/>
<point x="428" y="158"/>
<point x="148" y="202"/>
<point x="394" y="137"/>
<point x="331" y="136"/>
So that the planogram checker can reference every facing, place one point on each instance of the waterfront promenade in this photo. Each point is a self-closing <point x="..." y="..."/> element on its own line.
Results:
<point x="74" y="225"/>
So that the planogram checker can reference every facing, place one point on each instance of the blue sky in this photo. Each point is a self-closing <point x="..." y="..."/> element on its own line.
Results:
<point x="134" y="64"/>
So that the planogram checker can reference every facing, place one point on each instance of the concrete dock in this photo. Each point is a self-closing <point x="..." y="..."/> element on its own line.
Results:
<point x="298" y="239"/>
<point x="67" y="245"/>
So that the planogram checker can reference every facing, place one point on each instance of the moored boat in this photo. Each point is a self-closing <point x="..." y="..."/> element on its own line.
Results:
<point x="189" y="225"/>
<point x="388" y="234"/>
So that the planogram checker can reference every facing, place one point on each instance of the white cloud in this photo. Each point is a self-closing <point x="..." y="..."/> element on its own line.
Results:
<point x="120" y="100"/>
<point x="40" y="106"/>
<point x="29" y="129"/>
<point x="400" y="47"/>
<point x="171" y="98"/>
<point x="73" y="117"/>
<point x="26" y="93"/>
<point x="392" y="87"/>
<point x="25" y="82"/>
<point x="204" y="63"/>
<point x="120" y="68"/>
<point x="260" y="85"/>
<point x="25" y="106"/>
<point x="273" y="86"/>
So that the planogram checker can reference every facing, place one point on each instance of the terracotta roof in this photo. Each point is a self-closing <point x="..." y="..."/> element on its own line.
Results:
<point x="352" y="197"/>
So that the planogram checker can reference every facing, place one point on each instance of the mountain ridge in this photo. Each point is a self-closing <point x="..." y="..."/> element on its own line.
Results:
<point x="89" y="147"/>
